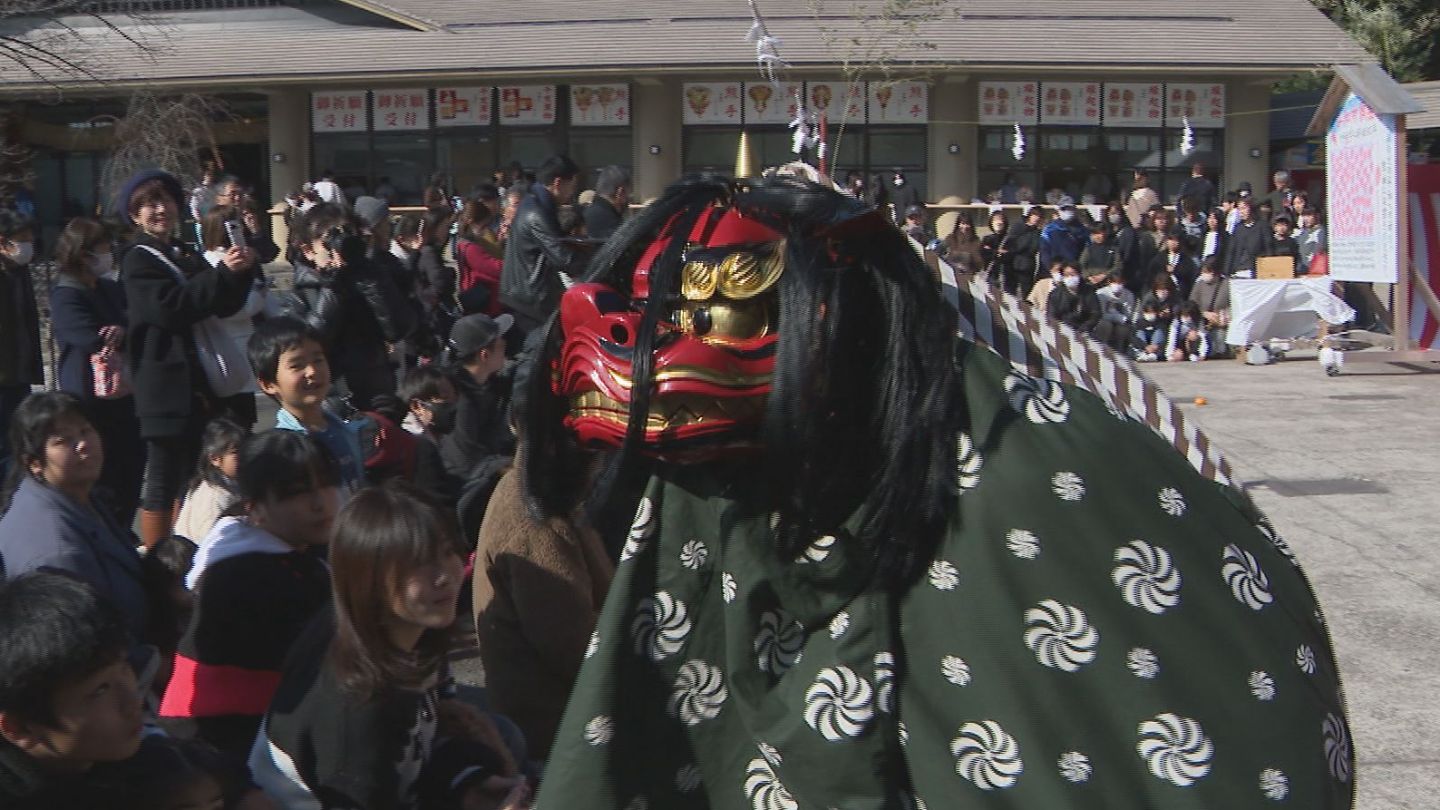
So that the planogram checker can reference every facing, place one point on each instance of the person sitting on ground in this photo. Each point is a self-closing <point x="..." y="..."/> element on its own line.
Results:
<point x="481" y="445"/>
<point x="365" y="716"/>
<point x="1099" y="259"/>
<point x="1187" y="339"/>
<point x="257" y="584"/>
<point x="1212" y="294"/>
<point x="69" y="701"/>
<point x="1073" y="301"/>
<point x="50" y="519"/>
<point x="175" y="774"/>
<point x="1147" y="341"/>
<point x="1117" y="312"/>
<point x="214" y="490"/>
<point x="290" y="364"/>
<point x="429" y="396"/>
<point x="1162" y="294"/>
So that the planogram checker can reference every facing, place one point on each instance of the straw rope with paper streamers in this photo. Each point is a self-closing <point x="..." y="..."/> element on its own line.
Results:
<point x="1018" y="150"/>
<point x="1187" y="138"/>
<point x="805" y="125"/>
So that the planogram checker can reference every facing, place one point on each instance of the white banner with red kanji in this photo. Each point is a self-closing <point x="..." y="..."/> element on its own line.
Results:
<point x="338" y="111"/>
<point x="397" y="110"/>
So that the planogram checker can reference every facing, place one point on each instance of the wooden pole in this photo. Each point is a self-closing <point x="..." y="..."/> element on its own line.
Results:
<point x="1403" y="291"/>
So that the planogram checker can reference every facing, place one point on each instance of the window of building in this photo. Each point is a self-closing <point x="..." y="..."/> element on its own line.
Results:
<point x="856" y="149"/>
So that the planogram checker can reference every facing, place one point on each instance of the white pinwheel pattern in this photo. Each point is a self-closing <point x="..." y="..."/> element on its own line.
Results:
<point x="1175" y="749"/>
<point x="777" y="645"/>
<point x="1276" y="540"/>
<point x="885" y="682"/>
<point x="661" y="625"/>
<point x="1337" y="747"/>
<point x="987" y="756"/>
<point x="839" y="704"/>
<point x="839" y="624"/>
<point x="1305" y="659"/>
<point x="1247" y="582"/>
<point x="770" y="753"/>
<point x="687" y="779"/>
<point x="1067" y="486"/>
<point x="902" y="732"/>
<point x="1274" y="785"/>
<point x="1074" y="767"/>
<point x="599" y="730"/>
<point x="967" y="463"/>
<point x="641" y="529"/>
<point x="1142" y="663"/>
<point x="943" y="575"/>
<point x="1023" y="543"/>
<point x="817" y="551"/>
<point x="1146" y="577"/>
<point x="694" y="554"/>
<point x="1040" y="400"/>
<point x="1262" y="686"/>
<point x="699" y="693"/>
<point x="727" y="587"/>
<point x="1060" y="635"/>
<point x="593" y="645"/>
<point x="954" y="669"/>
<point x="763" y="788"/>
<point x="1172" y="501"/>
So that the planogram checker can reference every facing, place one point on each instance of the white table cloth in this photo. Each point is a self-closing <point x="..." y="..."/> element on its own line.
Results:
<point x="1261" y="309"/>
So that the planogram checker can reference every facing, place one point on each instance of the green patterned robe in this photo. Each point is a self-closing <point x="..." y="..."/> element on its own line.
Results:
<point x="1103" y="627"/>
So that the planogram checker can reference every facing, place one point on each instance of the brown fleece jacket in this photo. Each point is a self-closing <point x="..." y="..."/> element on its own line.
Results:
<point x="539" y="588"/>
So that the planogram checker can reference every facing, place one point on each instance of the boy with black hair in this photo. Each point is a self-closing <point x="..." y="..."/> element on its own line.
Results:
<point x="68" y="696"/>
<point x="289" y="363"/>
<point x="1282" y="243"/>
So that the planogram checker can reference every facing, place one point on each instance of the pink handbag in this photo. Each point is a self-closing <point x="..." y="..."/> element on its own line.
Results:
<point x="107" y="374"/>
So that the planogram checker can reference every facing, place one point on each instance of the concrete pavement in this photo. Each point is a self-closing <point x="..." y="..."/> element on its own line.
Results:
<point x="1348" y="470"/>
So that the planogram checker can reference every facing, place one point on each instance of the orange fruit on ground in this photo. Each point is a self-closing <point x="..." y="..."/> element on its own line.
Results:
<point x="1201" y="400"/>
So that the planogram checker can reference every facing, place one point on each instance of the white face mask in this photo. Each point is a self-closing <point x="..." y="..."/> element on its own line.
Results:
<point x="1116" y="288"/>
<point x="1066" y="216"/>
<point x="1055" y="277"/>
<point x="1207" y="276"/>
<point x="1114" y="219"/>
<point x="24" y="252"/>
<point x="1072" y="281"/>
<point x="1186" y="322"/>
<point x="1161" y="295"/>
<point x="1150" y="316"/>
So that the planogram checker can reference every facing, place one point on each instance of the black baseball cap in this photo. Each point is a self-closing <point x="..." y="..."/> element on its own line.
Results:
<point x="472" y="333"/>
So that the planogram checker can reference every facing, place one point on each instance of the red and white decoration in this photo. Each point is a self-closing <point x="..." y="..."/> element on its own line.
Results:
<point x="836" y="102"/>
<point x="600" y="105"/>
<point x="764" y="104"/>
<point x="338" y="111"/>
<point x="1424" y="209"/>
<point x="1203" y="105"/>
<point x="1009" y="103"/>
<point x="1070" y="103"/>
<point x="401" y="110"/>
<point x="899" y="103"/>
<point x="712" y="102"/>
<point x="1134" y="104"/>
<point x="527" y="105"/>
<point x="463" y="106"/>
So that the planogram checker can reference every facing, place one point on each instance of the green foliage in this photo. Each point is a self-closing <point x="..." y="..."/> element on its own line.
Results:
<point x="1401" y="34"/>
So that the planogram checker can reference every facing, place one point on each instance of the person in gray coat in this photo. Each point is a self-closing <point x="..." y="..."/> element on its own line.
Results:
<point x="50" y="520"/>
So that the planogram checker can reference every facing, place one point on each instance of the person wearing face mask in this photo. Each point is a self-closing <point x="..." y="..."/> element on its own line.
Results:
<point x="429" y="396"/>
<point x="1147" y="339"/>
<point x="87" y="317"/>
<point x="1039" y="295"/>
<point x="1161" y="300"/>
<point x="1188" y="339"/>
<point x="1212" y="294"/>
<point x="1073" y="301"/>
<point x="1117" y="312"/>
<point x="1063" y="237"/>
<point x="20" y="362"/>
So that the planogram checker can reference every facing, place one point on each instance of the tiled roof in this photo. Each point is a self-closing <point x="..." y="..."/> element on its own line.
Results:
<point x="544" y="39"/>
<point x="1428" y="94"/>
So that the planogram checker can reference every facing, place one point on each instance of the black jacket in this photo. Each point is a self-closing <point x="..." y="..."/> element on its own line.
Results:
<point x="168" y="381"/>
<point x="535" y="255"/>
<point x="482" y="424"/>
<point x="356" y="310"/>
<point x="1023" y="246"/>
<point x="1200" y="190"/>
<point x="20" y="361"/>
<point x="1079" y="309"/>
<point x="1246" y="244"/>
<point x="601" y="219"/>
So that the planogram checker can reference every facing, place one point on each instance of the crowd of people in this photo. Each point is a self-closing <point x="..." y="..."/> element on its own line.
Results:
<point x="1148" y="280"/>
<point x="277" y="633"/>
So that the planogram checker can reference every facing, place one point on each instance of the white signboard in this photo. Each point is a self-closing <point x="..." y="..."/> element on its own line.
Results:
<point x="463" y="106"/>
<point x="401" y="109"/>
<point x="1362" y="194"/>
<point x="712" y="103"/>
<point x="766" y="105"/>
<point x="837" y="102"/>
<point x="899" y="103"/>
<point x="526" y="105"/>
<point x="1005" y="103"/>
<point x="337" y="111"/>
<point x="1134" y="104"/>
<point x="600" y="105"/>
<point x="1202" y="104"/>
<point x="1070" y="103"/>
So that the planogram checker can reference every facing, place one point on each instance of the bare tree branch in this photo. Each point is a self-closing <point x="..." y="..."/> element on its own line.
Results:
<point x="170" y="133"/>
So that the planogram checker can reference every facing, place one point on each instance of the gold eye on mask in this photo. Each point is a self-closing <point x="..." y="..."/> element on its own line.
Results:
<point x="739" y="276"/>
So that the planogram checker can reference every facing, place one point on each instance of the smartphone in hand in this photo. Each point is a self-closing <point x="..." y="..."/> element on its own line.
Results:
<point x="235" y="232"/>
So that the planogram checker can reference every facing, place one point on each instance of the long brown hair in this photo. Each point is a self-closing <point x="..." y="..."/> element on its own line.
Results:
<point x="381" y="535"/>
<point x="79" y="239"/>
<point x="212" y="227"/>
